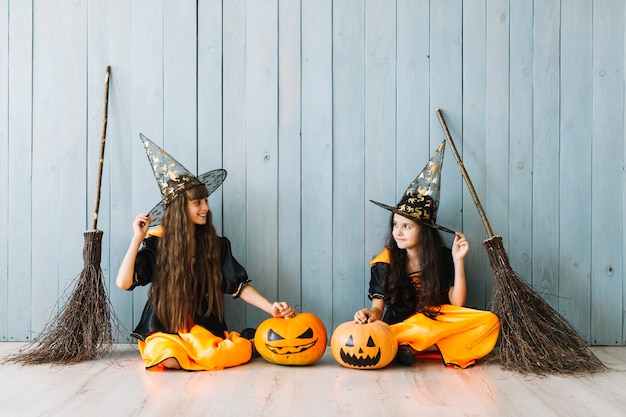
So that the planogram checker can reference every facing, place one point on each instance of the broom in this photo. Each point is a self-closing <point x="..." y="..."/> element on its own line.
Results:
<point x="82" y="330"/>
<point x="534" y="338"/>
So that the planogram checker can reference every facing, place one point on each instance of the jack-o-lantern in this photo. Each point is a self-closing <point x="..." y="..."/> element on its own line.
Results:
<point x="300" y="340"/>
<point x="364" y="346"/>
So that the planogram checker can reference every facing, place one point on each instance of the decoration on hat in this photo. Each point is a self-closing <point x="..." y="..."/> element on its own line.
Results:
<point x="420" y="201"/>
<point x="174" y="179"/>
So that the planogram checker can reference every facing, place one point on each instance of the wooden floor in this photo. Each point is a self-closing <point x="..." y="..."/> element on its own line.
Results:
<point x="118" y="385"/>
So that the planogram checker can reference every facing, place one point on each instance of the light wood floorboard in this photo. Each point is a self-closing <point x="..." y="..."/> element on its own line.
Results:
<point x="118" y="385"/>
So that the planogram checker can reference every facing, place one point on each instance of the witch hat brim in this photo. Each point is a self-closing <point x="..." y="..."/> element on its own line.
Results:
<point x="174" y="179"/>
<point x="212" y="180"/>
<point x="416" y="219"/>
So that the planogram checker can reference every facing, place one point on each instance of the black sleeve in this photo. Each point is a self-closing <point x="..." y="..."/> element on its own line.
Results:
<point x="378" y="281"/>
<point x="234" y="275"/>
<point x="145" y="262"/>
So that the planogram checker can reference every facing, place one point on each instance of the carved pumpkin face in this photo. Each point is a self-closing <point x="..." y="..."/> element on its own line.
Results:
<point x="364" y="346"/>
<point x="300" y="340"/>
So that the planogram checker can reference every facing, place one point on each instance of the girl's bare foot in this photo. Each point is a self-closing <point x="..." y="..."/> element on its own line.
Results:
<point x="171" y="363"/>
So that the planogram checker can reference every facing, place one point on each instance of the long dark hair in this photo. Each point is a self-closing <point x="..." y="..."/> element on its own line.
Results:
<point x="183" y="287"/>
<point x="432" y="287"/>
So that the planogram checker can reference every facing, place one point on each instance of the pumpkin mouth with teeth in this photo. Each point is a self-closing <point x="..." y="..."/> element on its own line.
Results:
<point x="272" y="336"/>
<point x="360" y="359"/>
<point x="364" y="346"/>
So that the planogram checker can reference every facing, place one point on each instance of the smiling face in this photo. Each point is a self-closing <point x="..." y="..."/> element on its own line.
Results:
<point x="406" y="232"/>
<point x="197" y="210"/>
<point x="197" y="205"/>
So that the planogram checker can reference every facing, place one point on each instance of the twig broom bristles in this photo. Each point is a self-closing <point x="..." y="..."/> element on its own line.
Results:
<point x="534" y="338"/>
<point x="82" y="329"/>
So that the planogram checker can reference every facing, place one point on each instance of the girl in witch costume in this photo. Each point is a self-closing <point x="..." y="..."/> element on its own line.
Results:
<point x="418" y="285"/>
<point x="190" y="269"/>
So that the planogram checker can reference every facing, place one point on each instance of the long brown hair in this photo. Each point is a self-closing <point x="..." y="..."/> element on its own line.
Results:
<point x="432" y="288"/>
<point x="181" y="287"/>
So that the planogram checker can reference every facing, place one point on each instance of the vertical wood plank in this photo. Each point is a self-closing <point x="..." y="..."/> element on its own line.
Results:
<point x="497" y="121"/>
<point x="349" y="280"/>
<point x="20" y="65"/>
<point x="413" y="106"/>
<point x="262" y="150"/>
<point x="147" y="102"/>
<point x="317" y="159"/>
<point x="607" y="187"/>
<point x="59" y="154"/>
<point x="546" y="149"/>
<point x="473" y="134"/>
<point x="623" y="280"/>
<point x="73" y="142"/>
<point x="4" y="167"/>
<point x="46" y="163"/>
<point x="234" y="128"/>
<point x="446" y="76"/>
<point x="210" y="97"/>
<point x="179" y="82"/>
<point x="381" y="181"/>
<point x="289" y="149"/>
<point x="575" y="175"/>
<point x="446" y="86"/>
<point x="520" y="224"/>
<point x="116" y="213"/>
<point x="210" y="110"/>
<point x="413" y="101"/>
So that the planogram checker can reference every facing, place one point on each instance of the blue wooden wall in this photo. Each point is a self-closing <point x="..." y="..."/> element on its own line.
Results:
<point x="314" y="108"/>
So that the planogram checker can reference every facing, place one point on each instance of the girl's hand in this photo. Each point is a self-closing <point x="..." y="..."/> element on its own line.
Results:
<point x="460" y="246"/>
<point x="141" y="225"/>
<point x="367" y="316"/>
<point x="282" y="309"/>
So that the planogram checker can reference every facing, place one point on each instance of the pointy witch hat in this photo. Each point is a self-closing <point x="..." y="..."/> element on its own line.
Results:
<point x="420" y="201"/>
<point x="174" y="179"/>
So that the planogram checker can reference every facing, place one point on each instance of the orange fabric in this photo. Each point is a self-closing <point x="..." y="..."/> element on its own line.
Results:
<point x="461" y="334"/>
<point x="382" y="257"/>
<point x="157" y="231"/>
<point x="197" y="350"/>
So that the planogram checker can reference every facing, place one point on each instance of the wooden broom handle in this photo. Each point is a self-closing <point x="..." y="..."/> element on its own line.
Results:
<point x="466" y="177"/>
<point x="102" y="143"/>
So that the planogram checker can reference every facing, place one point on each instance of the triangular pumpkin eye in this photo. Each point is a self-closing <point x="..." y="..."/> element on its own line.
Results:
<point x="350" y="342"/>
<point x="273" y="336"/>
<point x="370" y="342"/>
<point x="306" y="335"/>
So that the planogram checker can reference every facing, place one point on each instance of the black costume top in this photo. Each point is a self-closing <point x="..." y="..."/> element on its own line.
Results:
<point x="234" y="279"/>
<point x="378" y="285"/>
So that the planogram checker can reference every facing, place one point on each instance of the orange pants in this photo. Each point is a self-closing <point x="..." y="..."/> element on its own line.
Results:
<point x="197" y="350"/>
<point x="461" y="334"/>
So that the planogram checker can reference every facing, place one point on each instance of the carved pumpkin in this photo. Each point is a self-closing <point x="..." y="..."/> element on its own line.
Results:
<point x="300" y="340"/>
<point x="364" y="346"/>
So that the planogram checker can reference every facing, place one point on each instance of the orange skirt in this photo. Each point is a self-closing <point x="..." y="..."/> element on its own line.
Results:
<point x="197" y="350"/>
<point x="461" y="334"/>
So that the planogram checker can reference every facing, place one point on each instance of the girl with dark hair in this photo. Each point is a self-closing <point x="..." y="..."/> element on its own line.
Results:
<point x="418" y="285"/>
<point x="190" y="268"/>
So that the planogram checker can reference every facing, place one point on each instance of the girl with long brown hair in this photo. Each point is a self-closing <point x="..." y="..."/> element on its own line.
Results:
<point x="418" y="286"/>
<point x="190" y="268"/>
